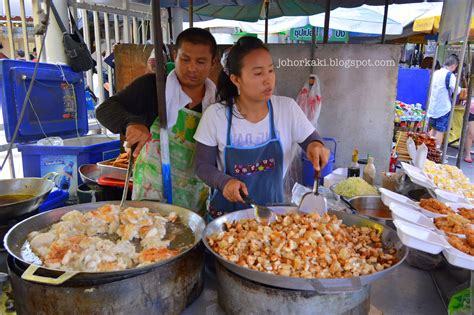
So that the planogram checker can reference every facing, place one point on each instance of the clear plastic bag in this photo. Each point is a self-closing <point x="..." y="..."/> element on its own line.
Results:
<point x="309" y="99"/>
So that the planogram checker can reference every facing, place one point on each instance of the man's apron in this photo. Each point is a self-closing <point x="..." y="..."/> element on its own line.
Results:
<point x="188" y="191"/>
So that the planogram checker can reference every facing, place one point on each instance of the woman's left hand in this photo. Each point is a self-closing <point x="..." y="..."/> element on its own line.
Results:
<point x="318" y="154"/>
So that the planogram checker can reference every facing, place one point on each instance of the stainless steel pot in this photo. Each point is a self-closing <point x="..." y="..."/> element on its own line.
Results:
<point x="39" y="188"/>
<point x="323" y="286"/>
<point x="371" y="207"/>
<point x="16" y="237"/>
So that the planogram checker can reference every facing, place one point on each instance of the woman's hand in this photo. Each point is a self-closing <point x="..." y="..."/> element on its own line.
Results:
<point x="232" y="190"/>
<point x="318" y="154"/>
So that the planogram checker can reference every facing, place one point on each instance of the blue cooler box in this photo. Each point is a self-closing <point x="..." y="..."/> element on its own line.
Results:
<point x="56" y="107"/>
<point x="65" y="160"/>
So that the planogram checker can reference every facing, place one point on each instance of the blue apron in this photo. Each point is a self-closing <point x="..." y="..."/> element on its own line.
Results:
<point x="259" y="167"/>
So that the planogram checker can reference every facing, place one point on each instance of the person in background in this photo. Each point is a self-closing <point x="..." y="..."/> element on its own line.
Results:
<point x="245" y="141"/>
<point x="443" y="86"/>
<point x="469" y="135"/>
<point x="2" y="55"/>
<point x="20" y="54"/>
<point x="34" y="55"/>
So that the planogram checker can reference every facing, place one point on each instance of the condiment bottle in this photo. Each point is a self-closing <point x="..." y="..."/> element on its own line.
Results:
<point x="354" y="170"/>
<point x="369" y="171"/>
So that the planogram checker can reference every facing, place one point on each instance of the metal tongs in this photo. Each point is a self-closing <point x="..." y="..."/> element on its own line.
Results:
<point x="263" y="214"/>
<point x="129" y="172"/>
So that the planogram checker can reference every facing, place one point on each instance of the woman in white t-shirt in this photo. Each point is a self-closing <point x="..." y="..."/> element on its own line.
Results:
<point x="245" y="141"/>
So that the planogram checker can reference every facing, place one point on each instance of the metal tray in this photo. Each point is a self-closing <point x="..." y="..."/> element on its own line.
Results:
<point x="110" y="171"/>
<point x="322" y="286"/>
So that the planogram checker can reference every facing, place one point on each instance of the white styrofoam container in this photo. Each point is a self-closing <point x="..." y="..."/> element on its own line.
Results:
<point x="417" y="176"/>
<point x="389" y="196"/>
<point x="446" y="196"/>
<point x="456" y="206"/>
<point x="401" y="212"/>
<point x="457" y="258"/>
<point x="417" y="237"/>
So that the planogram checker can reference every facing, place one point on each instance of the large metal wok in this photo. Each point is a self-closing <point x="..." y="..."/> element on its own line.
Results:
<point x="322" y="286"/>
<point x="16" y="237"/>
<point x="39" y="188"/>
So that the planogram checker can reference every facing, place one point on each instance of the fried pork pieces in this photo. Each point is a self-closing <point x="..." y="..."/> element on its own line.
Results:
<point x="306" y="246"/>
<point x="101" y="240"/>
<point x="465" y="245"/>
<point x="435" y="206"/>
<point x="453" y="223"/>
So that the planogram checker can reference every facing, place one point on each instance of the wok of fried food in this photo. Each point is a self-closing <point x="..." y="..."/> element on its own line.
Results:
<point x="306" y="246"/>
<point x="467" y="213"/>
<point x="121" y="161"/>
<point x="435" y="206"/>
<point x="465" y="245"/>
<point x="106" y="239"/>
<point x="453" y="223"/>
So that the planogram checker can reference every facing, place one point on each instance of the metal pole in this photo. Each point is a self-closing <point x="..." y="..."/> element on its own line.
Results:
<point x="384" y="25"/>
<point x="161" y="101"/>
<point x="98" y="57"/>
<point x="87" y="41"/>
<point x="266" y="4"/>
<point x="116" y="29"/>
<point x="170" y="26"/>
<point x="126" y="23"/>
<point x="23" y="29"/>
<point x="36" y="19"/>
<point x="313" y="46"/>
<point x="191" y="9"/>
<point x="6" y="5"/>
<point x="12" y="165"/>
<point x="465" y="122"/>
<point x="108" y="50"/>
<point x="433" y="69"/>
<point x="143" y="24"/>
<point x="135" y="30"/>
<point x="458" y="77"/>
<point x="327" y="17"/>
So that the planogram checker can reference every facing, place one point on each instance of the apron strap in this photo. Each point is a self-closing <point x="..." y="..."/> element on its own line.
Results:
<point x="273" y="135"/>
<point x="272" y="122"/>
<point x="229" y="124"/>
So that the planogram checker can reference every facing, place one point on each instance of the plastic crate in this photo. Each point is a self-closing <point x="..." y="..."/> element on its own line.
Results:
<point x="39" y="160"/>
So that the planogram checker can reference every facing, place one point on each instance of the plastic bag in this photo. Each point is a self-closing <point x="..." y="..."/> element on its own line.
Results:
<point x="421" y="155"/>
<point x="460" y="303"/>
<point x="51" y="141"/>
<point x="309" y="99"/>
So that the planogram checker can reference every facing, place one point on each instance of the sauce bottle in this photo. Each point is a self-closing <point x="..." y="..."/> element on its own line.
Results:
<point x="354" y="170"/>
<point x="369" y="171"/>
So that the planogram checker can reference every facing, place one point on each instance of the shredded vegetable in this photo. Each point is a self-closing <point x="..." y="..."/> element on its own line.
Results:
<point x="354" y="186"/>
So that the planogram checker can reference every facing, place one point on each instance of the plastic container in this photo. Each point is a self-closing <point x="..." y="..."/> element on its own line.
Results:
<point x="335" y="177"/>
<point x="400" y="212"/>
<point x="389" y="196"/>
<point x="417" y="237"/>
<point x="308" y="169"/>
<point x="57" y="96"/>
<point x="446" y="196"/>
<point x="65" y="160"/>
<point x="457" y="258"/>
<point x="56" y="199"/>
<point x="417" y="176"/>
